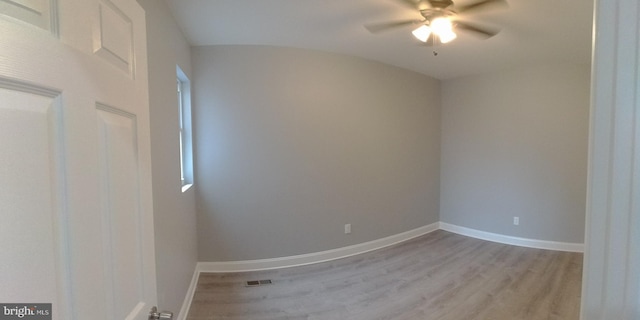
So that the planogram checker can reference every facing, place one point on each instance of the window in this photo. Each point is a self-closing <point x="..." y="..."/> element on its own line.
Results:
<point x="184" y="111"/>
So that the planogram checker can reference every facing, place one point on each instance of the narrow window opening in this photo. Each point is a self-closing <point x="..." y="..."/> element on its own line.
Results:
<point x="184" y="116"/>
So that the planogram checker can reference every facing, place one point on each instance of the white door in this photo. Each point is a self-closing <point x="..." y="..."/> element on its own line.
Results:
<point x="76" y="223"/>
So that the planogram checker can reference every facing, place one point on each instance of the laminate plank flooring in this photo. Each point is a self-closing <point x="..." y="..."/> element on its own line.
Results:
<point x="438" y="276"/>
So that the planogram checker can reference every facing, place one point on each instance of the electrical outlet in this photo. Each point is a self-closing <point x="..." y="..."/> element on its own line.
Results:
<point x="347" y="228"/>
<point x="516" y="221"/>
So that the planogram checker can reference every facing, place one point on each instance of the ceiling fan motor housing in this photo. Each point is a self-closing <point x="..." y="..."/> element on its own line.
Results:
<point x="441" y="4"/>
<point x="433" y="13"/>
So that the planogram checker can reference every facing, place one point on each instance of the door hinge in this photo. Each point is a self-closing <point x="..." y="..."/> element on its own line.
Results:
<point x="155" y="315"/>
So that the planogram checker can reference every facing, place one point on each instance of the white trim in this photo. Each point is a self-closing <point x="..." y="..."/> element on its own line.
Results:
<point x="186" y="187"/>
<point x="316" y="257"/>
<point x="611" y="282"/>
<point x="516" y="241"/>
<point x="188" y="299"/>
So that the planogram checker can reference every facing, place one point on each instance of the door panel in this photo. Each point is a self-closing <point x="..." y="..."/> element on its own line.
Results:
<point x="30" y="193"/>
<point x="75" y="179"/>
<point x="39" y="13"/>
<point x="113" y="37"/>
<point x="120" y="208"/>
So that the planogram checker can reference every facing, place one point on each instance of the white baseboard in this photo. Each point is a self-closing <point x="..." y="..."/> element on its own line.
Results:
<point x="184" y="311"/>
<point x="316" y="257"/>
<point x="516" y="241"/>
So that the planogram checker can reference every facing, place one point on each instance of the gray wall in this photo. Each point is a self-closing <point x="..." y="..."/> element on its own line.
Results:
<point x="292" y="144"/>
<point x="515" y="144"/>
<point x="174" y="211"/>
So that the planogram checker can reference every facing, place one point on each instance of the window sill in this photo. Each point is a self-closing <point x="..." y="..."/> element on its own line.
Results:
<point x="186" y="187"/>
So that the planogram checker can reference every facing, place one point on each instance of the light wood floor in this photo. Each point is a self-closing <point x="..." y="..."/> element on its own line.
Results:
<point x="440" y="275"/>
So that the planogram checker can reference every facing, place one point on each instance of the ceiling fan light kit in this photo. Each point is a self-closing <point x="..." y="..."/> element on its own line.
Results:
<point x="447" y="37"/>
<point x="440" y="27"/>
<point x="422" y="33"/>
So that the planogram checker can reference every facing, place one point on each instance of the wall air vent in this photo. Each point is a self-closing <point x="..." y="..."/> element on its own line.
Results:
<point x="256" y="283"/>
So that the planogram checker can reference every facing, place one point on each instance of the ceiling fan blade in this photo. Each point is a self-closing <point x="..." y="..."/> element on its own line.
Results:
<point x="485" y="32"/>
<point x="481" y="5"/>
<point x="380" y="27"/>
<point x="416" y="4"/>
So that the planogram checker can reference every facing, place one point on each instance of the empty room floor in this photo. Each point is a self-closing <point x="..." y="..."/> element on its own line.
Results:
<point x="440" y="275"/>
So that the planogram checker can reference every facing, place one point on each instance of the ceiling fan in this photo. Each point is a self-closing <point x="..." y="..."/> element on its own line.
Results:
<point x="440" y="19"/>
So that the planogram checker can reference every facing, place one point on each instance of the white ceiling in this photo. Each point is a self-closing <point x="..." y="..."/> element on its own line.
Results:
<point x="532" y="31"/>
